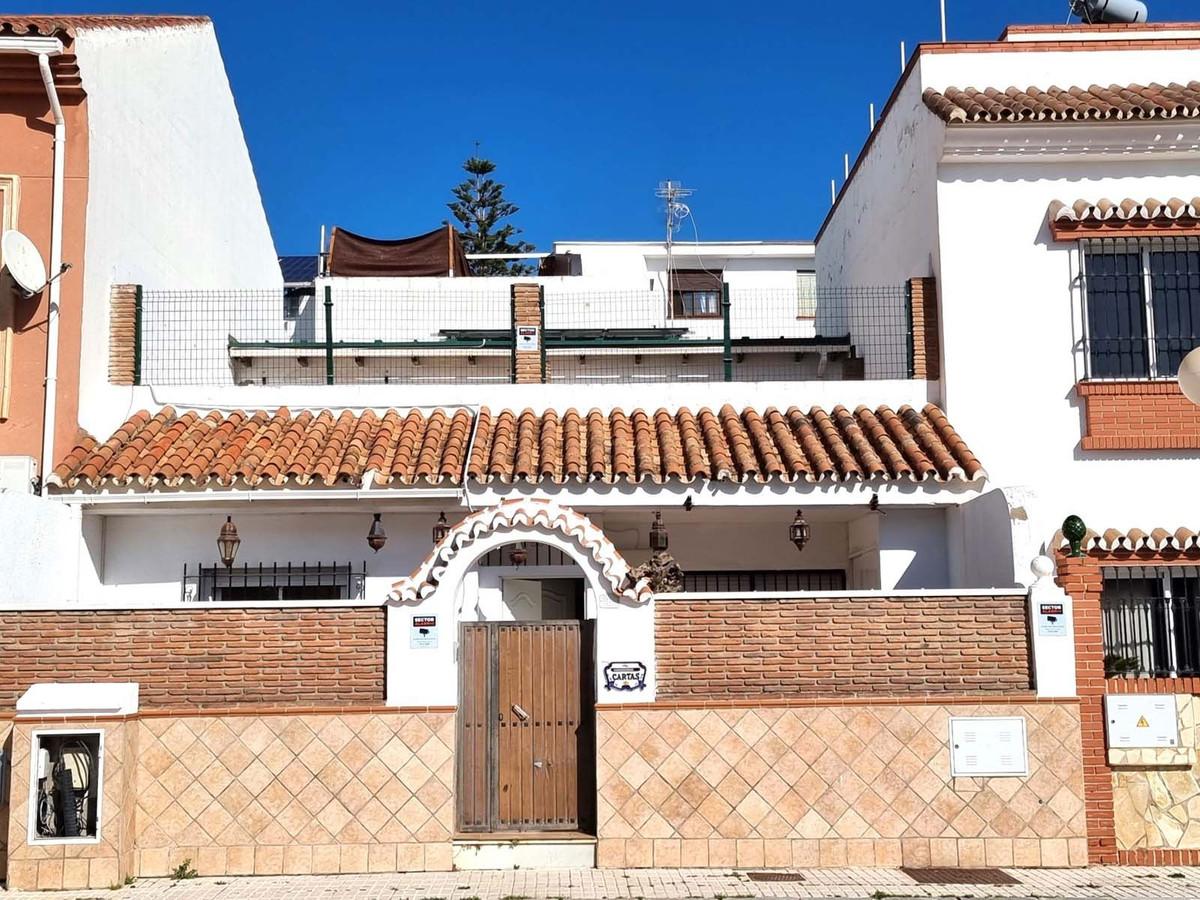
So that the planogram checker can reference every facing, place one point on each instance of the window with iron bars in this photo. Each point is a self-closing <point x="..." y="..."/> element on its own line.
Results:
<point x="1151" y="621"/>
<point x="1141" y="301"/>
<point x="765" y="581"/>
<point x="274" y="582"/>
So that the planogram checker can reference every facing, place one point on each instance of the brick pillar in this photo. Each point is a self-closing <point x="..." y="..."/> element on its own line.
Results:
<point x="528" y="365"/>
<point x="927" y="354"/>
<point x="1081" y="578"/>
<point x="124" y="333"/>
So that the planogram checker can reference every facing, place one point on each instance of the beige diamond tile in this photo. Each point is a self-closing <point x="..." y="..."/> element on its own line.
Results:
<point x="177" y="738"/>
<point x="414" y="732"/>
<point x="375" y="775"/>
<point x="315" y="756"/>
<point x="692" y="749"/>
<point x="235" y="798"/>
<point x="256" y="736"/>
<point x="214" y="819"/>
<point x="216" y="778"/>
<point x="236" y="757"/>
<point x="753" y="808"/>
<point x="354" y="795"/>
<point x="254" y="778"/>
<point x="295" y="734"/>
<point x="314" y="796"/>
<point x="217" y="736"/>
<point x="277" y="756"/>
<point x="413" y="815"/>
<point x="335" y="735"/>
<point x="194" y="799"/>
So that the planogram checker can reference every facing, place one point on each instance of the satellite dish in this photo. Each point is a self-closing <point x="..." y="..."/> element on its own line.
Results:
<point x="23" y="261"/>
<point x="1189" y="376"/>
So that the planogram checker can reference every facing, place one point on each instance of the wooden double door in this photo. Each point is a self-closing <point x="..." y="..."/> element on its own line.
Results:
<point x="526" y="757"/>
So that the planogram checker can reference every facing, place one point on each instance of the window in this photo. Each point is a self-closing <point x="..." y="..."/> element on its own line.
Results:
<point x="696" y="294"/>
<point x="806" y="288"/>
<point x="270" y="583"/>
<point x="1151" y="619"/>
<point x="766" y="581"/>
<point x="1142" y="305"/>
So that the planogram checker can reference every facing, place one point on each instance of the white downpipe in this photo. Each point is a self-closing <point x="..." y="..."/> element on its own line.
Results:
<point x="44" y="48"/>
<point x="56" y="240"/>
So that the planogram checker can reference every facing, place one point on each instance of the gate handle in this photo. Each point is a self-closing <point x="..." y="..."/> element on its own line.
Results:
<point x="520" y="713"/>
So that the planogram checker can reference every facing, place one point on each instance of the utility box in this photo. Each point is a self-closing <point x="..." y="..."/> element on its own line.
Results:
<point x="18" y="474"/>
<point x="1141" y="720"/>
<point x="988" y="746"/>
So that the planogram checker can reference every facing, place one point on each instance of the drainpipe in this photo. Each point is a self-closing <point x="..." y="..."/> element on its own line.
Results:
<point x="56" y="236"/>
<point x="43" y="48"/>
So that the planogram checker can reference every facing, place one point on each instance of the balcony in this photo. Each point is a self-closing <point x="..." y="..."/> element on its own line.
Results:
<point x="461" y="330"/>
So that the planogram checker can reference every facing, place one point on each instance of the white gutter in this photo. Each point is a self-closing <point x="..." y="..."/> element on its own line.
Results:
<point x="378" y="495"/>
<point x="43" y="48"/>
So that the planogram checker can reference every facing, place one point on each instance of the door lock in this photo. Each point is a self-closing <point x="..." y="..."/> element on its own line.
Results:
<point x="538" y="763"/>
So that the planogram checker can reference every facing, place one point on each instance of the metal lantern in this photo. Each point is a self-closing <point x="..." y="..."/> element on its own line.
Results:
<point x="228" y="542"/>
<point x="518" y="555"/>
<point x="376" y="537"/>
<point x="799" y="531"/>
<point x="440" y="529"/>
<point x="659" y="540"/>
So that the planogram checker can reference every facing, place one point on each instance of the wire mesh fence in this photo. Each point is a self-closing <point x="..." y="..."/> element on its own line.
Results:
<point x="436" y="334"/>
<point x="1141" y="305"/>
<point x="461" y="331"/>
<point x="740" y="334"/>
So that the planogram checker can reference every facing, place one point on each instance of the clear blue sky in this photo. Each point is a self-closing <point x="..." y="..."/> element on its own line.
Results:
<point x="360" y="114"/>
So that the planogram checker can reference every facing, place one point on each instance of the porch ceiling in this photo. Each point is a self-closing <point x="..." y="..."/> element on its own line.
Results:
<point x="445" y="447"/>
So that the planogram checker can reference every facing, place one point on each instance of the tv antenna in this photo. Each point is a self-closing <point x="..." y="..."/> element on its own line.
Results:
<point x="674" y="194"/>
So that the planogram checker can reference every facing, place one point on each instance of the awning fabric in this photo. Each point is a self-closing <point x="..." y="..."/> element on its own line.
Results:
<point x="436" y="254"/>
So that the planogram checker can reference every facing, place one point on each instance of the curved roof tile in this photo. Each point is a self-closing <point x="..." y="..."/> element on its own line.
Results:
<point x="245" y="449"/>
<point x="1075" y="104"/>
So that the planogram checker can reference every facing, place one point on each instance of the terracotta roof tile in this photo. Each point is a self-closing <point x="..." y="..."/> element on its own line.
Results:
<point x="1113" y="540"/>
<point x="169" y="449"/>
<point x="23" y="26"/>
<point x="1103" y="216"/>
<point x="1113" y="103"/>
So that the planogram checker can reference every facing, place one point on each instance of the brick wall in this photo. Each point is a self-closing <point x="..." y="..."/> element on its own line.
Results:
<point x="927" y="352"/>
<point x="1138" y="415"/>
<point x="202" y="656"/>
<point x="753" y="648"/>
<point x="527" y="310"/>
<point x="1081" y="578"/>
<point x="122" y="333"/>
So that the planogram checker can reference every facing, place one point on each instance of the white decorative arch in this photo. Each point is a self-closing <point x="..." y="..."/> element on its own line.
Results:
<point x="540" y="520"/>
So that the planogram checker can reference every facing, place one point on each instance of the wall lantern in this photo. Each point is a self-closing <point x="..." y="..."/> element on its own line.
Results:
<point x="799" y="531"/>
<point x="228" y="542"/>
<point x="441" y="528"/>
<point x="518" y="555"/>
<point x="659" y="539"/>
<point x="376" y="537"/>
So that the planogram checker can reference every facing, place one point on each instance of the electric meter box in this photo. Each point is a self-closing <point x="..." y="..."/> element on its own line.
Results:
<point x="988" y="746"/>
<point x="1141" y="720"/>
<point x="65" y="786"/>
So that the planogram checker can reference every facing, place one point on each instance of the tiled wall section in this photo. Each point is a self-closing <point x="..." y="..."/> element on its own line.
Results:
<point x="79" y="865"/>
<point x="1138" y="415"/>
<point x="293" y="794"/>
<point x="831" y="786"/>
<point x="1158" y="807"/>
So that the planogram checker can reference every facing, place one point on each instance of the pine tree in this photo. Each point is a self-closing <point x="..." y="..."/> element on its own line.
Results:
<point x="479" y="205"/>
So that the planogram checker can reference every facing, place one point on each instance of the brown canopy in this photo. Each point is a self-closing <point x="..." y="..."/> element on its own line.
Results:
<point x="438" y="253"/>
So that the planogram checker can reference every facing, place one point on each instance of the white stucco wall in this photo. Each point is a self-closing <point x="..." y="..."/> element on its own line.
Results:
<point x="172" y="197"/>
<point x="41" y="553"/>
<point x="1009" y="321"/>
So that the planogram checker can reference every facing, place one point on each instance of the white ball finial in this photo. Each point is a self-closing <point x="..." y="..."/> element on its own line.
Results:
<point x="1042" y="566"/>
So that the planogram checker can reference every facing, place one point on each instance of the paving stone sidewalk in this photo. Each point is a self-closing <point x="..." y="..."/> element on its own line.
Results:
<point x="646" y="884"/>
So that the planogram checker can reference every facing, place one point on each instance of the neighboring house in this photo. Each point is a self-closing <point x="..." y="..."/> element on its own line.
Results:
<point x="671" y="564"/>
<point x="1048" y="182"/>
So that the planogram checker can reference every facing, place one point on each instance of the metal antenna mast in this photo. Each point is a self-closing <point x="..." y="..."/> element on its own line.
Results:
<point x="674" y="194"/>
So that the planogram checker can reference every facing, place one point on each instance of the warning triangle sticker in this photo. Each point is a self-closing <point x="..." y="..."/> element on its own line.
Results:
<point x="1142" y="723"/>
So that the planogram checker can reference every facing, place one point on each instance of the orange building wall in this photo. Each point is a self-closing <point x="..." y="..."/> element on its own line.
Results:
<point x="26" y="150"/>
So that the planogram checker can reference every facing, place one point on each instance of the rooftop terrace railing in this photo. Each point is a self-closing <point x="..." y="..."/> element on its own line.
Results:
<point x="462" y="331"/>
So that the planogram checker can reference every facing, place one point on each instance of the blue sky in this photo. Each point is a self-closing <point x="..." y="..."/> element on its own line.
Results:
<point x="360" y="114"/>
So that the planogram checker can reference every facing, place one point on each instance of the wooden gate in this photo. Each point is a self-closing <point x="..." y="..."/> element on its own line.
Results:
<point x="523" y="738"/>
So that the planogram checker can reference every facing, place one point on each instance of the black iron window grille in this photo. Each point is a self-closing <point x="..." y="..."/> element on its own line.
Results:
<point x="273" y="582"/>
<point x="765" y="581"/>
<point x="1141" y="302"/>
<point x="1151" y="621"/>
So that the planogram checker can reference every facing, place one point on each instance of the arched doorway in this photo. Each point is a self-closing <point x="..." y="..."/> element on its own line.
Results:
<point x="526" y="635"/>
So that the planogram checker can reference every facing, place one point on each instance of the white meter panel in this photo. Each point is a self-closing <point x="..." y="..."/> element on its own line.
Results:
<point x="1141" y="720"/>
<point x="988" y="746"/>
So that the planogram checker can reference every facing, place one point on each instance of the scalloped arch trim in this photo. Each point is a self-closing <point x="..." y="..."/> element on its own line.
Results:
<point x="516" y="516"/>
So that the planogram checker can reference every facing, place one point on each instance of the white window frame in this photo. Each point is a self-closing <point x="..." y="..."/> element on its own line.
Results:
<point x="32" y="837"/>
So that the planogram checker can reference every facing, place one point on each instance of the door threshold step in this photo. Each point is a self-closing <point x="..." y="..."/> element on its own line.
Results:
<point x="524" y="850"/>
